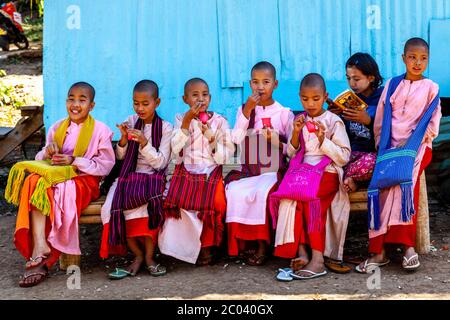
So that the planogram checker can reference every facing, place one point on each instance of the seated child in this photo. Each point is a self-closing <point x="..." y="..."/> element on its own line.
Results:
<point x="64" y="179"/>
<point x="261" y="129"/>
<point x="319" y="148"/>
<point x="195" y="204"/>
<point x="363" y="77"/>
<point x="405" y="125"/>
<point x="133" y="206"/>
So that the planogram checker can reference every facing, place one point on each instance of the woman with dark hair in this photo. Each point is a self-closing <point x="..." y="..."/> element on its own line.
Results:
<point x="363" y="77"/>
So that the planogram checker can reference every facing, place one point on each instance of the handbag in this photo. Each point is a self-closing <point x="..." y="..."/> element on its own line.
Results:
<point x="301" y="183"/>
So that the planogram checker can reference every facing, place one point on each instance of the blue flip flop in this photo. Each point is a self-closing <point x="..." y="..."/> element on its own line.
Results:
<point x="120" y="274"/>
<point x="285" y="274"/>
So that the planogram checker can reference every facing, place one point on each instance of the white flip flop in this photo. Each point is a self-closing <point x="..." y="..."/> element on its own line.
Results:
<point x="312" y="274"/>
<point x="370" y="267"/>
<point x="407" y="260"/>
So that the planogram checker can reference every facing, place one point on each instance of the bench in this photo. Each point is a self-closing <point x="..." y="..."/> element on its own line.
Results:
<point x="358" y="204"/>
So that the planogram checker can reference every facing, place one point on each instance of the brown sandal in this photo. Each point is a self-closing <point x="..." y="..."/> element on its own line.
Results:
<point x="40" y="271"/>
<point x="204" y="261"/>
<point x="256" y="260"/>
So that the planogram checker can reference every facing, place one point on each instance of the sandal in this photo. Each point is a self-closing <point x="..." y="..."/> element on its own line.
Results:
<point x="285" y="274"/>
<point x="157" y="270"/>
<point x="405" y="263"/>
<point x="371" y="267"/>
<point x="41" y="271"/>
<point x="256" y="260"/>
<point x="244" y="255"/>
<point x="204" y="261"/>
<point x="120" y="274"/>
<point x="35" y="259"/>
<point x="337" y="266"/>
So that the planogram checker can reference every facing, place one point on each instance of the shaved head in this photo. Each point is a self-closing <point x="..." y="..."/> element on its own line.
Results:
<point x="416" y="42"/>
<point x="193" y="81"/>
<point x="266" y="66"/>
<point x="313" y="80"/>
<point x="86" y="86"/>
<point x="147" y="86"/>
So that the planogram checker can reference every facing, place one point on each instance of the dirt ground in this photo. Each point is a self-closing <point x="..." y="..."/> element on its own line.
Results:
<point x="228" y="278"/>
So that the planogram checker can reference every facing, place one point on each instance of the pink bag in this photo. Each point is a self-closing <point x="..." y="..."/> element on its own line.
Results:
<point x="301" y="183"/>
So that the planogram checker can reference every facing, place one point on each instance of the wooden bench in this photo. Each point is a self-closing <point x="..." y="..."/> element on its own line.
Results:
<point x="358" y="203"/>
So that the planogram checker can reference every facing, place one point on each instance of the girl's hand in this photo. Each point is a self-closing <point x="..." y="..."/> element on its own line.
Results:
<point x="138" y="136"/>
<point x="320" y="133"/>
<point x="332" y="107"/>
<point x="299" y="123"/>
<point x="51" y="149"/>
<point x="62" y="159"/>
<point x="251" y="104"/>
<point x="190" y="115"/>
<point x="123" y="127"/>
<point x="360" y="116"/>
<point x="204" y="127"/>
<point x="194" y="111"/>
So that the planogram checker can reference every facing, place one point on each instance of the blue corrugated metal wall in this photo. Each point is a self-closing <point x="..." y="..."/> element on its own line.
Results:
<point x="113" y="44"/>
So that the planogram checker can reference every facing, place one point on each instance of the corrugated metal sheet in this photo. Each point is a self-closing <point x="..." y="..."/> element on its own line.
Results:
<point x="121" y="42"/>
<point x="248" y="33"/>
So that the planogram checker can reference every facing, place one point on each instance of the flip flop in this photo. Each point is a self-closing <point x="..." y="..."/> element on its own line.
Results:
<point x="43" y="260"/>
<point x="370" y="267"/>
<point x="43" y="275"/>
<point x="257" y="260"/>
<point x="157" y="270"/>
<point x="337" y="267"/>
<point x="413" y="267"/>
<point x="312" y="274"/>
<point x="285" y="274"/>
<point x="120" y="274"/>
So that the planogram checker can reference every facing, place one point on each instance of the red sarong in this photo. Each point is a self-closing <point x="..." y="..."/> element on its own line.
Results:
<point x="329" y="186"/>
<point x="87" y="189"/>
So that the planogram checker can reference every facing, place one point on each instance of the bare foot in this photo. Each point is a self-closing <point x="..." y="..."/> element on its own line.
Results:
<point x="134" y="267"/>
<point x="299" y="262"/>
<point x="350" y="185"/>
<point x="39" y="254"/>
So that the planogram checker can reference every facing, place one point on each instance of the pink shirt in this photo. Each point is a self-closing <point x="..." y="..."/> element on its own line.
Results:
<point x="99" y="157"/>
<point x="409" y="102"/>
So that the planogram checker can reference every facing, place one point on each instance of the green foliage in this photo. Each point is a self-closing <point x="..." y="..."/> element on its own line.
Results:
<point x="8" y="97"/>
<point x="33" y="5"/>
<point x="33" y="29"/>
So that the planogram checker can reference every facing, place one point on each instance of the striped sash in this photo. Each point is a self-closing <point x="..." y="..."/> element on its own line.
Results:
<point x="136" y="189"/>
<point x="192" y="192"/>
<point x="254" y="169"/>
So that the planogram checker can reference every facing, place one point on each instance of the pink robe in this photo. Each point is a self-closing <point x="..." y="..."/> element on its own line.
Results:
<point x="97" y="161"/>
<point x="336" y="145"/>
<point x="409" y="102"/>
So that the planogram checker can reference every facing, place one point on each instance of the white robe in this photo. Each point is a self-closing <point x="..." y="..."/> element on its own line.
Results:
<point x="180" y="238"/>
